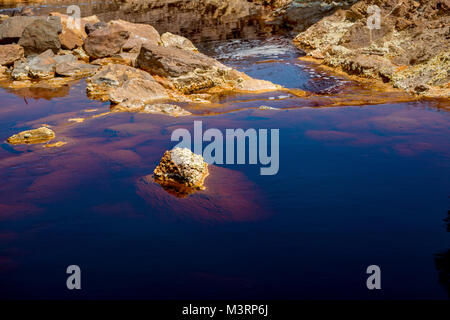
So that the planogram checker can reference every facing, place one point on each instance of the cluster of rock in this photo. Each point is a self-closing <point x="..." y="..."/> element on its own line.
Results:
<point x="181" y="172"/>
<point x="411" y="49"/>
<point x="131" y="65"/>
<point x="39" y="135"/>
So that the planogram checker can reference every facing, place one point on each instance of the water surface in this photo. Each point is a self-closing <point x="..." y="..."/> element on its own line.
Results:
<point x="357" y="185"/>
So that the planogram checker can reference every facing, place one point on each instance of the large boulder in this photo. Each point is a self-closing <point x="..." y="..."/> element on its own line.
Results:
<point x="40" y="135"/>
<point x="40" y="36"/>
<point x="105" y="42"/>
<point x="11" y="29"/>
<point x="181" y="169"/>
<point x="174" y="62"/>
<point x="9" y="53"/>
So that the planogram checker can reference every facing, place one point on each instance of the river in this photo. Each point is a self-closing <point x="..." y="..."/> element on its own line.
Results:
<point x="363" y="179"/>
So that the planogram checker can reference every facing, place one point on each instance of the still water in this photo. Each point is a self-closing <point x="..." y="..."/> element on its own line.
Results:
<point x="357" y="185"/>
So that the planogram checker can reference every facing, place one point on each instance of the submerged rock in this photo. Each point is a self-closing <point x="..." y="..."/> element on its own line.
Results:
<point x="9" y="53"/>
<point x="40" y="135"/>
<point x="181" y="170"/>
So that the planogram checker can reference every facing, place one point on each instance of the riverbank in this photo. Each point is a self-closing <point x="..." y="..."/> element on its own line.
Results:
<point x="409" y="49"/>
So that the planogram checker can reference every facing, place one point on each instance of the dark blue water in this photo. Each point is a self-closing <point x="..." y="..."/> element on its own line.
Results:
<point x="357" y="185"/>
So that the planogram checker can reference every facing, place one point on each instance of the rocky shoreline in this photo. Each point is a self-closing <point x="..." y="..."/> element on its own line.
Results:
<point x="410" y="50"/>
<point x="131" y="65"/>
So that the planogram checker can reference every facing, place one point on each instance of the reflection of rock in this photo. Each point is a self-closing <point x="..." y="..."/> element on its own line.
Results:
<point x="442" y="262"/>
<point x="10" y="53"/>
<point x="40" y="135"/>
<point x="182" y="171"/>
<point x="410" y="54"/>
<point x="229" y="196"/>
<point x="39" y="36"/>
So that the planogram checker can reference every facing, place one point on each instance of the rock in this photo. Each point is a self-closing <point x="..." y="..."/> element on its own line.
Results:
<point x="267" y="108"/>
<point x="167" y="109"/>
<point x="40" y="135"/>
<point x="40" y="36"/>
<point x="3" y="17"/>
<point x="105" y="42"/>
<point x="172" y="40"/>
<point x="110" y="77"/>
<point x="173" y="62"/>
<point x="91" y="27"/>
<point x="75" y="69"/>
<point x="12" y="28"/>
<point x="299" y="15"/>
<point x="40" y="67"/>
<point x="179" y="168"/>
<point x="139" y="34"/>
<point x="70" y="39"/>
<point x="3" y="72"/>
<point x="409" y="50"/>
<point x="81" y="54"/>
<point x="10" y="53"/>
<point x="136" y="93"/>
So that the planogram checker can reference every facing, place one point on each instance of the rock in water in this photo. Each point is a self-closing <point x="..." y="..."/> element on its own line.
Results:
<point x="181" y="170"/>
<point x="40" y="36"/>
<point x="10" y="53"/>
<point x="40" y="135"/>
